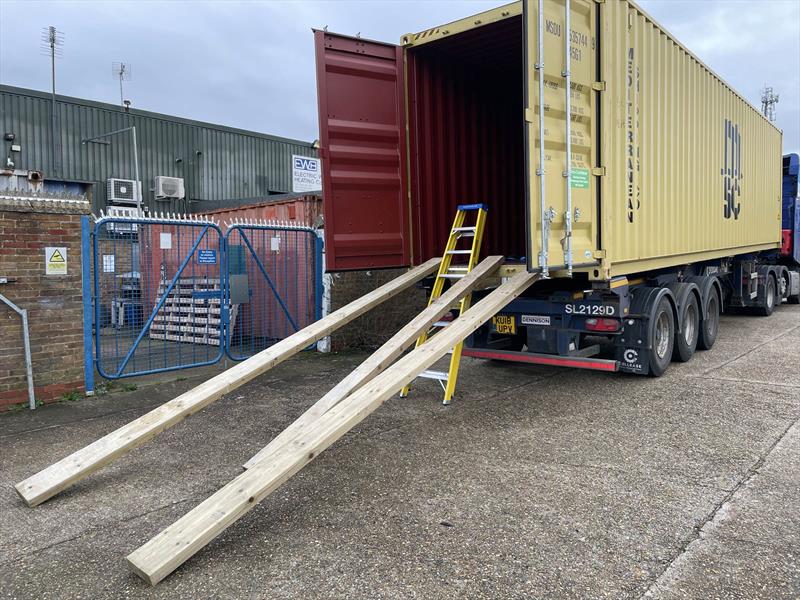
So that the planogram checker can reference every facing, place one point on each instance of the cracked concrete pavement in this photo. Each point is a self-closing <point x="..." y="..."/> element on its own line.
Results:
<point x="536" y="482"/>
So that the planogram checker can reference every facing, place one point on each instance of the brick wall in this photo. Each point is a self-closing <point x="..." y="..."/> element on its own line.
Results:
<point x="378" y="325"/>
<point x="54" y="302"/>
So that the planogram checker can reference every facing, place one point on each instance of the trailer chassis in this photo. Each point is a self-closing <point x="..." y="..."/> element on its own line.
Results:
<point x="636" y="324"/>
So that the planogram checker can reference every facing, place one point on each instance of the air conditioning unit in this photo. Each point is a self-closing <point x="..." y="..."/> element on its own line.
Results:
<point x="127" y="212"/>
<point x="169" y="187"/>
<point x="124" y="191"/>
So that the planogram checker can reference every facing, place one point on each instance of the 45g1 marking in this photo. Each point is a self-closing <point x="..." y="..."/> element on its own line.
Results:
<point x="591" y="309"/>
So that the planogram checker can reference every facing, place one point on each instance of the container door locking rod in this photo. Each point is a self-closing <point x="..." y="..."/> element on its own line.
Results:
<point x="545" y="215"/>
<point x="567" y="245"/>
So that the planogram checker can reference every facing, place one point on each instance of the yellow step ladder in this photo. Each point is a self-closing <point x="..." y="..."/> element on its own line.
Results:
<point x="450" y="271"/>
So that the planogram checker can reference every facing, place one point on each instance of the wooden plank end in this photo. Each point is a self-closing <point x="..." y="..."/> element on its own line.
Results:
<point x="139" y="570"/>
<point x="26" y="491"/>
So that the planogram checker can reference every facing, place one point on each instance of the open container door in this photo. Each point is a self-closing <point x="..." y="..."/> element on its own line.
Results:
<point x="362" y="146"/>
<point x="562" y="211"/>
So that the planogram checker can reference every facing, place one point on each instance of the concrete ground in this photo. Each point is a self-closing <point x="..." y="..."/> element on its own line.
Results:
<point x="536" y="482"/>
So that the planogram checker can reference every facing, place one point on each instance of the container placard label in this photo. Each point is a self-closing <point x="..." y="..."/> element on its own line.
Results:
<point x="579" y="178"/>
<point x="55" y="260"/>
<point x="206" y="257"/>
<point x="306" y="174"/>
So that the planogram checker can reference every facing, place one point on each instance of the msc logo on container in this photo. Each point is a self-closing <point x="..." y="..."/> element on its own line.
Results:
<point x="732" y="170"/>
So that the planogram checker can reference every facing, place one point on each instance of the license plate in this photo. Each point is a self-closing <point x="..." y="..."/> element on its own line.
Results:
<point x="591" y="310"/>
<point x="504" y="324"/>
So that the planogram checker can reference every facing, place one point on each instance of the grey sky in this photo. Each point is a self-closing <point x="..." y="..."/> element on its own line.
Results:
<point x="251" y="64"/>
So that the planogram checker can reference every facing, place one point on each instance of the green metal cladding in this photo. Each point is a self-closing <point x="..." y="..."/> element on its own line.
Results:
<point x="218" y="164"/>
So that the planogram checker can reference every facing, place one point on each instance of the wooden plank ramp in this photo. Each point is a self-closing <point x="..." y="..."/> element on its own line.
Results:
<point x="173" y="546"/>
<point x="385" y="355"/>
<point x="71" y="469"/>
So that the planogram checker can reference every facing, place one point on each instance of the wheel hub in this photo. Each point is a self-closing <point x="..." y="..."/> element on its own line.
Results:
<point x="662" y="335"/>
<point x="689" y="324"/>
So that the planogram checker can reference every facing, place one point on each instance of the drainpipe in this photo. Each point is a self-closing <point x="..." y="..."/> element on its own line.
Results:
<point x="27" y="343"/>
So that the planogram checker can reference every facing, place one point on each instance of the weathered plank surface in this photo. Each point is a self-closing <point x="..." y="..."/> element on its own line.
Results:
<point x="383" y="356"/>
<point x="61" y="475"/>
<point x="169" y="549"/>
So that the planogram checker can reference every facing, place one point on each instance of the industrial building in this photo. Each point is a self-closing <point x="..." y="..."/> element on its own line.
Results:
<point x="184" y="166"/>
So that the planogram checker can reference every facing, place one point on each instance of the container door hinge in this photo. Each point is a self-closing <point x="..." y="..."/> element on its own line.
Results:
<point x="530" y="115"/>
<point x="599" y="1"/>
<point x="599" y="171"/>
<point x="599" y="254"/>
<point x="599" y="86"/>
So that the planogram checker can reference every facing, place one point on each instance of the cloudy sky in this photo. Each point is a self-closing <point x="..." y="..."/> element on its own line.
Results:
<point x="251" y="64"/>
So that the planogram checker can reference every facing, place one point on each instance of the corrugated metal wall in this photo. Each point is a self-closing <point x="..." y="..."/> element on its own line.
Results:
<point x="705" y="170"/>
<point x="465" y="125"/>
<point x="217" y="163"/>
<point x="295" y="209"/>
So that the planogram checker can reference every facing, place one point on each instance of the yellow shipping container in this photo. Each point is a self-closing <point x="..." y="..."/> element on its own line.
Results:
<point x="668" y="165"/>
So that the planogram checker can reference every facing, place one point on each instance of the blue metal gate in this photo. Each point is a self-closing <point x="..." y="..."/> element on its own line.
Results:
<point x="175" y="293"/>
<point x="274" y="284"/>
<point x="158" y="289"/>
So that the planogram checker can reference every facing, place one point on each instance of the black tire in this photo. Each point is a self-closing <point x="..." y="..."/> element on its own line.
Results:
<point x="686" y="339"/>
<point x="662" y="337"/>
<point x="709" y="327"/>
<point x="770" y="294"/>
<point x="790" y="298"/>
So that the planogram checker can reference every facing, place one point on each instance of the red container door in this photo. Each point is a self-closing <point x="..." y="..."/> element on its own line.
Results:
<point x="362" y="146"/>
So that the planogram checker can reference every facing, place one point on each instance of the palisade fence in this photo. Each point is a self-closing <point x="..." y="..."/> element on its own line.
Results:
<point x="173" y="292"/>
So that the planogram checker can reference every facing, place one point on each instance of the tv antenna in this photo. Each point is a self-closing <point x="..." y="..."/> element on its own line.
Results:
<point x="123" y="72"/>
<point x="53" y="46"/>
<point x="768" y="101"/>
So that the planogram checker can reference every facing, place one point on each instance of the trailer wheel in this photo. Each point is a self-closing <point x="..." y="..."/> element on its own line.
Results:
<point x="662" y="337"/>
<point x="768" y="304"/>
<point x="709" y="327"/>
<point x="790" y="297"/>
<point x="686" y="339"/>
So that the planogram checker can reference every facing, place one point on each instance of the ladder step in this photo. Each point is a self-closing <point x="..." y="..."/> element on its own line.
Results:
<point x="459" y="269"/>
<point x="463" y="234"/>
<point x="464" y="228"/>
<point x="459" y="251"/>
<point x="451" y="275"/>
<point x="442" y="323"/>
<point x="440" y="375"/>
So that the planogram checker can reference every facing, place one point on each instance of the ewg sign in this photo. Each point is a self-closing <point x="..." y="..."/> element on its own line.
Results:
<point x="306" y="174"/>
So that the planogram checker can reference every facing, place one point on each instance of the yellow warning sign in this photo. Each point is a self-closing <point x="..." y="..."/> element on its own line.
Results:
<point x="55" y="260"/>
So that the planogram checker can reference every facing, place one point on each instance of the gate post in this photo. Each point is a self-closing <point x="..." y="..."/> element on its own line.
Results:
<point x="318" y="274"/>
<point x="88" y="313"/>
<point x="224" y="305"/>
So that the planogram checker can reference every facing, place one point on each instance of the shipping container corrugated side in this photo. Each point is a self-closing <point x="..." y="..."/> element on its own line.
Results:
<point x="669" y="165"/>
<point x="295" y="209"/>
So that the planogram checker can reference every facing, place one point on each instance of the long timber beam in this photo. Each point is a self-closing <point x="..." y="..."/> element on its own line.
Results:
<point x="59" y="476"/>
<point x="173" y="546"/>
<point x="383" y="356"/>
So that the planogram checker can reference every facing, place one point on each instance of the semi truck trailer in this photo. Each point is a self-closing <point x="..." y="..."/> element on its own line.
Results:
<point x="643" y="188"/>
